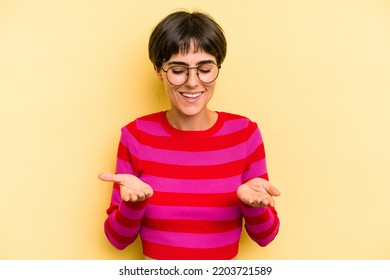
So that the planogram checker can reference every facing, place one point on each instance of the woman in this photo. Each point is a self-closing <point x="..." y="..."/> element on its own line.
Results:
<point x="187" y="177"/>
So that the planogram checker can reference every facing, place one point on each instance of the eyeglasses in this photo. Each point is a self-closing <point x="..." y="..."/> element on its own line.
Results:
<point x="178" y="75"/>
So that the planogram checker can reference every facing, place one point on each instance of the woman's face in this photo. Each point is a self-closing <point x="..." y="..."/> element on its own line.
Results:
<point x="191" y="98"/>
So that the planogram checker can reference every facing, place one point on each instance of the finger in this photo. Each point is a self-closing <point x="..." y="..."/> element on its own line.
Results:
<point x="272" y="190"/>
<point x="124" y="195"/>
<point x="269" y="201"/>
<point x="108" y="177"/>
<point x="263" y="200"/>
<point x="148" y="193"/>
<point x="141" y="196"/>
<point x="263" y="186"/>
<point x="133" y="197"/>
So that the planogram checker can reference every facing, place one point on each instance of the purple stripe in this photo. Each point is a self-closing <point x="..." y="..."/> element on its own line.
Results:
<point x="232" y="126"/>
<point x="222" y="156"/>
<point x="223" y="185"/>
<point x="191" y="240"/>
<point x="153" y="128"/>
<point x="192" y="213"/>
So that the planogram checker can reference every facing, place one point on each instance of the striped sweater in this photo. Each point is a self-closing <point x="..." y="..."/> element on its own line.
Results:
<point x="194" y="212"/>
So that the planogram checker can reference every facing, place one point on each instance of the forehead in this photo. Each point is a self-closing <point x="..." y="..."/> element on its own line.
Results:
<point x="192" y="57"/>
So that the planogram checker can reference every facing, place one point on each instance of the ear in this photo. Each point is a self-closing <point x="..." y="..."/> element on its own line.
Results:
<point x="159" y="74"/>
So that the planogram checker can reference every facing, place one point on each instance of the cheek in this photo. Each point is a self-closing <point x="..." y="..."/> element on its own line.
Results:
<point x="210" y="89"/>
<point x="170" y="90"/>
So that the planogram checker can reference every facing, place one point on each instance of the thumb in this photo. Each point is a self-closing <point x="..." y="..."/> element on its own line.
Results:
<point x="273" y="191"/>
<point x="108" y="177"/>
<point x="267" y="186"/>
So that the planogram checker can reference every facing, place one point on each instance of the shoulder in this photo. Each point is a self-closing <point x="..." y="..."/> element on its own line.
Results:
<point x="154" y="117"/>
<point x="237" y="120"/>
<point x="150" y="125"/>
<point x="141" y="121"/>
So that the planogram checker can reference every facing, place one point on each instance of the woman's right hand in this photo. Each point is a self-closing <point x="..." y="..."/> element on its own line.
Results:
<point x="131" y="187"/>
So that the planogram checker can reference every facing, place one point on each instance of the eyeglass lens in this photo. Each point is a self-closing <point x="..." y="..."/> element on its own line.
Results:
<point x="178" y="75"/>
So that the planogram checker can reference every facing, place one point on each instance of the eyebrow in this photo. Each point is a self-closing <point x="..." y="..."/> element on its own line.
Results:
<point x="187" y="65"/>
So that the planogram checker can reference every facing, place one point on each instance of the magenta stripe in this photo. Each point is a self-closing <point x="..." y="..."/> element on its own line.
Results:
<point x="256" y="169"/>
<point x="113" y="241"/>
<point x="232" y="126"/>
<point x="266" y="241"/>
<point x="191" y="240"/>
<point x="222" y="156"/>
<point x="116" y="197"/>
<point x="152" y="128"/>
<point x="254" y="211"/>
<point x="130" y="213"/>
<point x="192" y="213"/>
<point x="254" y="141"/>
<point x="129" y="141"/>
<point x="118" y="228"/>
<point x="123" y="167"/>
<point x="236" y="152"/>
<point x="261" y="227"/>
<point x="223" y="185"/>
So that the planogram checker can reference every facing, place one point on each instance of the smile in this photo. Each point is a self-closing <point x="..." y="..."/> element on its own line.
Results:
<point x="191" y="95"/>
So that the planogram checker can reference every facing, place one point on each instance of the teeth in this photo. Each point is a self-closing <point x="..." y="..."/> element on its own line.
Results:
<point x="191" y="95"/>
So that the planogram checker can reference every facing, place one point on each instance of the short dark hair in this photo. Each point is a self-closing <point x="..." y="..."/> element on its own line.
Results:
<point x="176" y="32"/>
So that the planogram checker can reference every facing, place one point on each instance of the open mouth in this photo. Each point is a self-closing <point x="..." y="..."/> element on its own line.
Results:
<point x="191" y="95"/>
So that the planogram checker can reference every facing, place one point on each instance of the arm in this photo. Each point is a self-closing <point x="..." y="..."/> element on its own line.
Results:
<point x="257" y="207"/>
<point x="257" y="193"/>
<point x="129" y="193"/>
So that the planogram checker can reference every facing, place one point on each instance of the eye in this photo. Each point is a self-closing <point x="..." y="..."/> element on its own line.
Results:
<point x="178" y="70"/>
<point x="206" y="68"/>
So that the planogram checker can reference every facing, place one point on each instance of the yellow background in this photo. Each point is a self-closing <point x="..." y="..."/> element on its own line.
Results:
<point x="315" y="75"/>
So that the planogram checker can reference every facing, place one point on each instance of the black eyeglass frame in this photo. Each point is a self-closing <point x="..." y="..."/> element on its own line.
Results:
<point x="188" y="69"/>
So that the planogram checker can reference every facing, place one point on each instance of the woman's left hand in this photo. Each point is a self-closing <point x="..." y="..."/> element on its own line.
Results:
<point x="258" y="192"/>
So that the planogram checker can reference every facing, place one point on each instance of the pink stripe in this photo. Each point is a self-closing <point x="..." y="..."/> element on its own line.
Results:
<point x="253" y="211"/>
<point x="118" y="228"/>
<point x="116" y="197"/>
<point x="113" y="241"/>
<point x="152" y="128"/>
<point x="222" y="156"/>
<point x="192" y="213"/>
<point x="130" y="213"/>
<point x="144" y="152"/>
<point x="261" y="227"/>
<point x="266" y="241"/>
<point x="254" y="141"/>
<point x="123" y="167"/>
<point x="256" y="169"/>
<point x="129" y="141"/>
<point x="191" y="240"/>
<point x="223" y="185"/>
<point x="232" y="126"/>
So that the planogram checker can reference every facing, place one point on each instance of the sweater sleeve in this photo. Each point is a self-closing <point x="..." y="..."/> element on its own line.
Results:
<point x="261" y="223"/>
<point x="124" y="218"/>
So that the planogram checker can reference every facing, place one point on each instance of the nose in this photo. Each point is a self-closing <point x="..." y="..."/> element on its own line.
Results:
<point x="192" y="79"/>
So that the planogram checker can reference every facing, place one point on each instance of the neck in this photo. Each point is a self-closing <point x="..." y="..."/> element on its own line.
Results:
<point x="201" y="121"/>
